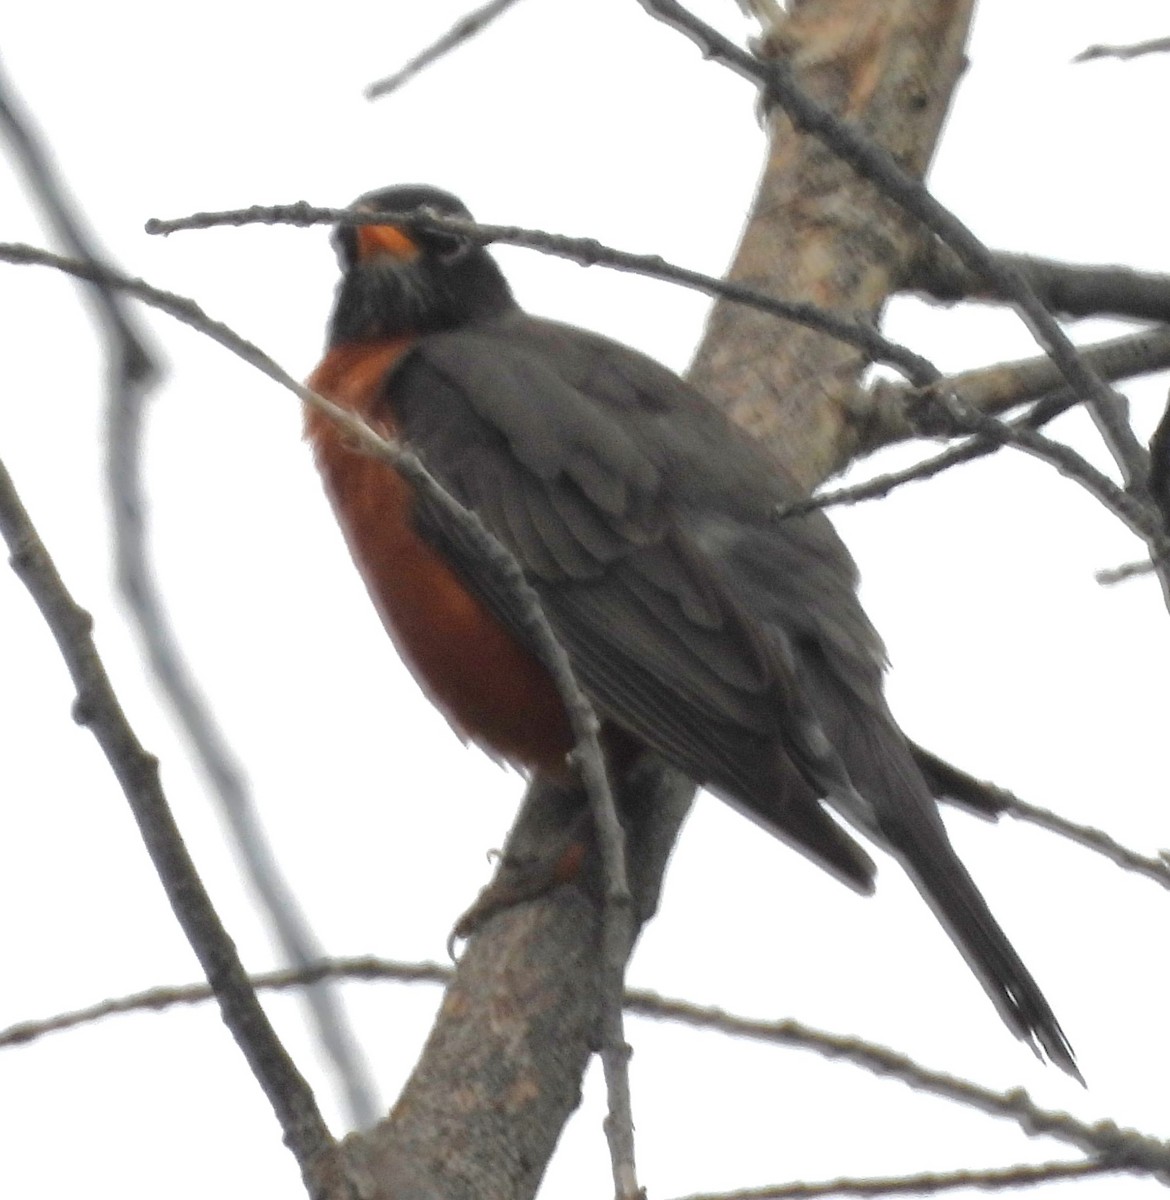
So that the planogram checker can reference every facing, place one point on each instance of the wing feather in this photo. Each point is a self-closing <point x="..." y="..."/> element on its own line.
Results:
<point x="599" y="513"/>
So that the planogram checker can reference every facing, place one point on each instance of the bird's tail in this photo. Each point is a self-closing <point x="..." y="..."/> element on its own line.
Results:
<point x="899" y="812"/>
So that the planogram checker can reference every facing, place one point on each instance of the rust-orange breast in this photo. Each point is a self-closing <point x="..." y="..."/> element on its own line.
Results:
<point x="488" y="685"/>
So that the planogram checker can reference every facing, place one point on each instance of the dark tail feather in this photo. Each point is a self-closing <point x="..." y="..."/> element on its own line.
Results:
<point x="906" y="822"/>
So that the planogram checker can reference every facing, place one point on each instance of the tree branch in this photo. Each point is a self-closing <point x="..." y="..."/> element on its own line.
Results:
<point x="133" y="374"/>
<point x="1123" y="1148"/>
<point x="462" y="31"/>
<point x="997" y="389"/>
<point x="947" y="415"/>
<point x="586" y="252"/>
<point x="1134" y="50"/>
<point x="929" y="1183"/>
<point x="98" y="709"/>
<point x="1116" y="1149"/>
<point x="1076" y="290"/>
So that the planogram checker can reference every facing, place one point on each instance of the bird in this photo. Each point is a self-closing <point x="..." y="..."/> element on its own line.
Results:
<point x="698" y="623"/>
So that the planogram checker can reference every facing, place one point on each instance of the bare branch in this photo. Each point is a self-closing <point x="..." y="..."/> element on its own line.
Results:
<point x="882" y="485"/>
<point x="1131" y="570"/>
<point x="462" y="31"/>
<point x="135" y="366"/>
<point x="994" y="390"/>
<point x="1155" y="46"/>
<point x="1119" y="1149"/>
<point x="999" y="388"/>
<point x="98" y="709"/>
<point x="990" y="801"/>
<point x="1076" y="290"/>
<point x="946" y="414"/>
<point x="774" y="76"/>
<point x="132" y="376"/>
<point x="1127" y="1149"/>
<point x="928" y="1183"/>
<point x="888" y="414"/>
<point x="587" y="252"/>
<point x="158" y="998"/>
<point x="1157" y="869"/>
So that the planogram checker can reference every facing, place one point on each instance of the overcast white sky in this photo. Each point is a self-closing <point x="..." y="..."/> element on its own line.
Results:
<point x="1007" y="657"/>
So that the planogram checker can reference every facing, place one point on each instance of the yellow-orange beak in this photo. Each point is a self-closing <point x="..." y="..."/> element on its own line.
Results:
<point x="373" y="240"/>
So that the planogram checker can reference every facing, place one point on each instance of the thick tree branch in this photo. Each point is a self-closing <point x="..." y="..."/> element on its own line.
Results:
<point x="818" y="231"/>
<point x="995" y="390"/>
<point x="1076" y="290"/>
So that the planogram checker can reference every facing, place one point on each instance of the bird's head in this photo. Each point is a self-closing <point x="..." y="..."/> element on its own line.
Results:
<point x="400" y="278"/>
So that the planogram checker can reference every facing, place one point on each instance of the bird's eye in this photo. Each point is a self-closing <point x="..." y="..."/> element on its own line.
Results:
<point x="449" y="248"/>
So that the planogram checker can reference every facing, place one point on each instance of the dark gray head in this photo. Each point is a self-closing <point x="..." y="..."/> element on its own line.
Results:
<point x="402" y="279"/>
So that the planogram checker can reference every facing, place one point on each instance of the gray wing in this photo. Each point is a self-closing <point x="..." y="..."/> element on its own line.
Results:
<point x="599" y="481"/>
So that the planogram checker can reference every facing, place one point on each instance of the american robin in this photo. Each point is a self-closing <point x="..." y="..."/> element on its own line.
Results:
<point x="699" y="625"/>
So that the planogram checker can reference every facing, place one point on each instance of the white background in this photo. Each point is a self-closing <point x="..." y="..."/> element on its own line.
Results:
<point x="1007" y="657"/>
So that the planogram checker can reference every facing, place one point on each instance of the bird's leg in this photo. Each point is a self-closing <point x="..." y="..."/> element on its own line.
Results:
<point x="548" y="846"/>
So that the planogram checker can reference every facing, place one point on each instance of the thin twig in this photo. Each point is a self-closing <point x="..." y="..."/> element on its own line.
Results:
<point x="157" y="999"/>
<point x="462" y="31"/>
<point x="1155" y="46"/>
<point x="587" y="252"/>
<point x="1157" y="869"/>
<point x="990" y="801"/>
<point x="98" y="709"/>
<point x="135" y="364"/>
<point x="776" y="79"/>
<point x="618" y="915"/>
<point x="133" y="373"/>
<point x="946" y="414"/>
<point x="880" y="486"/>
<point x="1122" y="1149"/>
<point x="1131" y="570"/>
<point x="1132" y="511"/>
<point x="928" y="1183"/>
